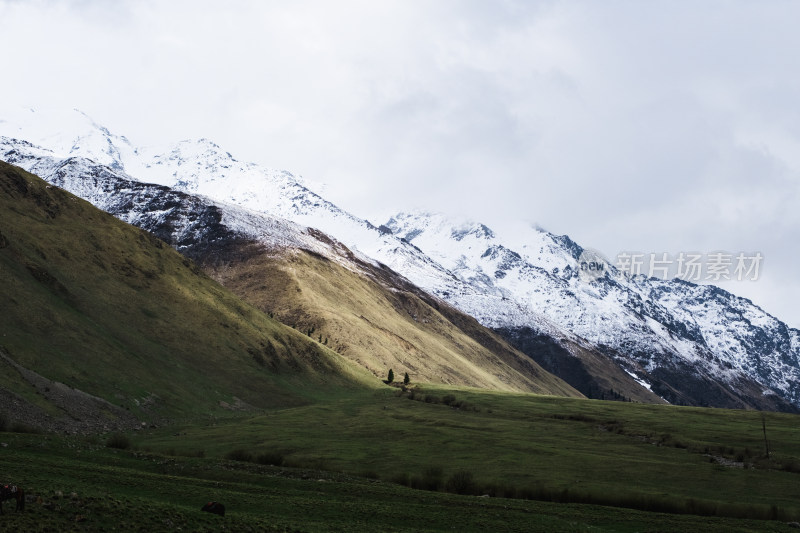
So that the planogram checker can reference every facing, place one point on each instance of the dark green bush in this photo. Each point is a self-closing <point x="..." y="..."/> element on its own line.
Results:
<point x="270" y="458"/>
<point x="370" y="474"/>
<point x="239" y="455"/>
<point x="790" y="465"/>
<point x="461" y="482"/>
<point x="432" y="479"/>
<point x="118" y="441"/>
<point x="401" y="479"/>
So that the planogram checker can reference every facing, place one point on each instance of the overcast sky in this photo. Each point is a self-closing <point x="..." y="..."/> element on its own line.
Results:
<point x="629" y="125"/>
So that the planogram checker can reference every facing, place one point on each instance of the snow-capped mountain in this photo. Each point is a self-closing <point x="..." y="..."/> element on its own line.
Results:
<point x="655" y="328"/>
<point x="201" y="167"/>
<point x="687" y="343"/>
<point x="228" y="241"/>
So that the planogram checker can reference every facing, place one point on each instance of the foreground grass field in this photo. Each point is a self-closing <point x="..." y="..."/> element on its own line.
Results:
<point x="356" y="464"/>
<point x="655" y="458"/>
<point x="83" y="486"/>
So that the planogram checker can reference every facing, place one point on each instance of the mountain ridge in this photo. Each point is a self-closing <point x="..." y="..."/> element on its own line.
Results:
<point x="225" y="239"/>
<point x="530" y="281"/>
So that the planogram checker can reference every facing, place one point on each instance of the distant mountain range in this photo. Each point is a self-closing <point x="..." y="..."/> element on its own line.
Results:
<point x="614" y="337"/>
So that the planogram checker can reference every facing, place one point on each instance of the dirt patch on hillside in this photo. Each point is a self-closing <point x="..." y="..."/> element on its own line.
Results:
<point x="81" y="412"/>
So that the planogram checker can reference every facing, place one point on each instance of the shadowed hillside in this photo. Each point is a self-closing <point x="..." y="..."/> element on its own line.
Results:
<point x="103" y="325"/>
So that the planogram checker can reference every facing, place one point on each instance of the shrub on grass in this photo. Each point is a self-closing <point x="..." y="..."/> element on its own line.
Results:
<point x="3" y="421"/>
<point x="433" y="475"/>
<point x="536" y="492"/>
<point x="699" y="507"/>
<point x="461" y="482"/>
<point x="790" y="464"/>
<point x="497" y="490"/>
<point x="270" y="458"/>
<point x="432" y="479"/>
<point x="370" y="474"/>
<point x="118" y="441"/>
<point x="401" y="479"/>
<point x="239" y="455"/>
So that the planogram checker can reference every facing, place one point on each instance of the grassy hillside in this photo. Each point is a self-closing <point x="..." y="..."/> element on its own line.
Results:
<point x="93" y="304"/>
<point x="380" y="321"/>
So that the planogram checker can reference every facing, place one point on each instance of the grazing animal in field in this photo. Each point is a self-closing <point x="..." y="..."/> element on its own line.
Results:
<point x="214" y="507"/>
<point x="12" y="492"/>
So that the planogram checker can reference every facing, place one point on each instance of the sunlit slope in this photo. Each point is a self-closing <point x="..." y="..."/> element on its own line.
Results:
<point x="107" y="309"/>
<point x="380" y="321"/>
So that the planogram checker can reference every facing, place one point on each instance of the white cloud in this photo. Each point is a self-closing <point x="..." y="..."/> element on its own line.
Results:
<point x="658" y="126"/>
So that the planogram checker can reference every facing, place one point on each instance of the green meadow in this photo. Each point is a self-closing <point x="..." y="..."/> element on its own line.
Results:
<point x="708" y="462"/>
<point x="385" y="462"/>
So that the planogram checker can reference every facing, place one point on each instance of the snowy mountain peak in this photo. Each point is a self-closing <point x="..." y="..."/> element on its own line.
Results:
<point x="70" y="133"/>
<point x="438" y="233"/>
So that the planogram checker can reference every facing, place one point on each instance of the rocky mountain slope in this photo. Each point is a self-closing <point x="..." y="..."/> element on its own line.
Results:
<point x="615" y="336"/>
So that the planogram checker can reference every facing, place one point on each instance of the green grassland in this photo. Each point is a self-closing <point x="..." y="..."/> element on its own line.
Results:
<point x="650" y="457"/>
<point x="84" y="487"/>
<point x="381" y="461"/>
